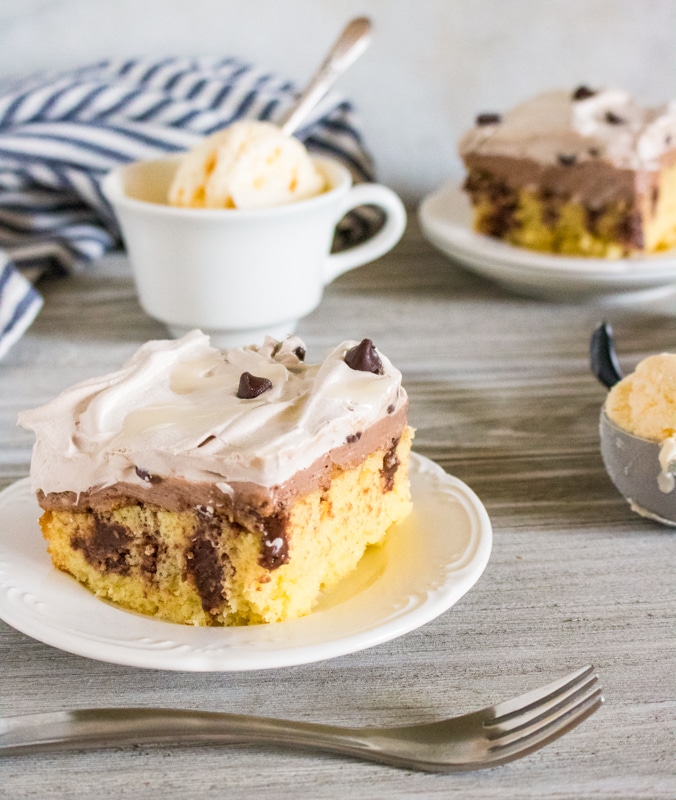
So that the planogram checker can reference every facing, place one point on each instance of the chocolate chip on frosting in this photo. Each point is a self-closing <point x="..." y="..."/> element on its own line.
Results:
<point x="251" y="386"/>
<point x="144" y="475"/>
<point x="614" y="119"/>
<point x="567" y="160"/>
<point x="583" y="92"/>
<point x="488" y="119"/>
<point x="364" y="358"/>
<point x="300" y="353"/>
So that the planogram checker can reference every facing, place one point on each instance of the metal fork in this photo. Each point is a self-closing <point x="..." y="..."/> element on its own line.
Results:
<point x="494" y="735"/>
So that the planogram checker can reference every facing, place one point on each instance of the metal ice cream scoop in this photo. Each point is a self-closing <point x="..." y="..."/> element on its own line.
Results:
<point x="632" y="462"/>
<point x="351" y="43"/>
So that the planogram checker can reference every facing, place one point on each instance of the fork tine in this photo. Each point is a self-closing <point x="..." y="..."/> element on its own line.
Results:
<point x="518" y="705"/>
<point x="502" y="751"/>
<point x="535" y="722"/>
<point x="552" y="705"/>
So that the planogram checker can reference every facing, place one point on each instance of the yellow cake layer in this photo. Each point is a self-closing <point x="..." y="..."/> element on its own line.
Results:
<point x="527" y="219"/>
<point x="328" y="532"/>
<point x="565" y="232"/>
<point x="660" y="217"/>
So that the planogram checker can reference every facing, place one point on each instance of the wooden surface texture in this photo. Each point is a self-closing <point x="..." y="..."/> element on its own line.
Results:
<point x="502" y="397"/>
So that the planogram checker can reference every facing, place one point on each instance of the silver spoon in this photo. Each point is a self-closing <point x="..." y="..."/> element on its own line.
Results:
<point x="351" y="43"/>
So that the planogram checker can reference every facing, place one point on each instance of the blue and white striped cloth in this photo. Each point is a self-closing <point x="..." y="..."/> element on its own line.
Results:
<point x="60" y="134"/>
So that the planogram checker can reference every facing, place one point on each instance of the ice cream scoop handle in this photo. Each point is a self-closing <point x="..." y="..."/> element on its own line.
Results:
<point x="349" y="46"/>
<point x="603" y="357"/>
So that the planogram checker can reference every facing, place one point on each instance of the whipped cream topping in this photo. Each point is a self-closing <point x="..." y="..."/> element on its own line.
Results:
<point x="608" y="124"/>
<point x="172" y="411"/>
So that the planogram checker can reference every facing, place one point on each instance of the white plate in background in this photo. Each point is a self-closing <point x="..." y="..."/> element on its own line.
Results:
<point x="446" y="220"/>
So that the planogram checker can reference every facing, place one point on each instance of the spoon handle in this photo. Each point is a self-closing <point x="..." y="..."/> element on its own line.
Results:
<point x="349" y="46"/>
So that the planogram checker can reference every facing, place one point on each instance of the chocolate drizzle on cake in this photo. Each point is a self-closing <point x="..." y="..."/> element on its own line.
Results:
<point x="364" y="358"/>
<point x="108" y="546"/>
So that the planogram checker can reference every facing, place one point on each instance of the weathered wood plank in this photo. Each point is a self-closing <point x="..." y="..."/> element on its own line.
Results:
<point x="502" y="397"/>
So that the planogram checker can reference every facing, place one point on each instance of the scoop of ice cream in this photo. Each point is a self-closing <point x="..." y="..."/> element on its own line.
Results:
<point x="638" y="437"/>
<point x="250" y="164"/>
<point x="644" y="403"/>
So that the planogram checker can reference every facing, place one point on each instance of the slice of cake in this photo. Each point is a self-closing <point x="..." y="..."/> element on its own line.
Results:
<point x="214" y="487"/>
<point x="588" y="173"/>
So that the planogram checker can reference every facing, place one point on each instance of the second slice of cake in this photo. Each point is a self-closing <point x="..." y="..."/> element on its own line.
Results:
<point x="583" y="172"/>
<point x="216" y="487"/>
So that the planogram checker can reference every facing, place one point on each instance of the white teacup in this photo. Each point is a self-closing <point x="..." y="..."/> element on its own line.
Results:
<point x="240" y="274"/>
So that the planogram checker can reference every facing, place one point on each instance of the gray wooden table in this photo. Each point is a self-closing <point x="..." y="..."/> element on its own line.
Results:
<point x="502" y="397"/>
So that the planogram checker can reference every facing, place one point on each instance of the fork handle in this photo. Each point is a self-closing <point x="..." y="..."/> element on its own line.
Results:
<point x="106" y="727"/>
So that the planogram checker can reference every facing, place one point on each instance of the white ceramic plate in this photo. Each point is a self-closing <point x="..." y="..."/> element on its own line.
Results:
<point x="446" y="220"/>
<point x="425" y="566"/>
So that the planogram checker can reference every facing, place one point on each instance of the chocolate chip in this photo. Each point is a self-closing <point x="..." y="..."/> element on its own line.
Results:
<point x="567" y="160"/>
<point x="151" y="548"/>
<point x="250" y="386"/>
<point x="353" y="437"/>
<point x="593" y="217"/>
<point x="275" y="542"/>
<point x="205" y="565"/>
<point x="488" y="119"/>
<point x="629" y="230"/>
<point x="300" y="353"/>
<point x="364" y="358"/>
<point x="144" y="475"/>
<point x="614" y="119"/>
<point x="654" y="198"/>
<point x="583" y="92"/>
<point x="390" y="408"/>
<point x="594" y="152"/>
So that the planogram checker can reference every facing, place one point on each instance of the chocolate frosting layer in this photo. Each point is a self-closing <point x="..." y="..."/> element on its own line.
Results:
<point x="243" y="500"/>
<point x="593" y="183"/>
<point x="590" y="146"/>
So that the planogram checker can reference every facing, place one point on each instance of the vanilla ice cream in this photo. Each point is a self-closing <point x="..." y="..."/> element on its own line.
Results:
<point x="644" y="404"/>
<point x="250" y="164"/>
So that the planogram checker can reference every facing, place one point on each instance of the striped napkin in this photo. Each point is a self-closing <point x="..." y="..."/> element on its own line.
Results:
<point x="61" y="133"/>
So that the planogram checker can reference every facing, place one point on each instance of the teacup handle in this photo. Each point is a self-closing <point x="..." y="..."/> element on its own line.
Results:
<point x="395" y="223"/>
